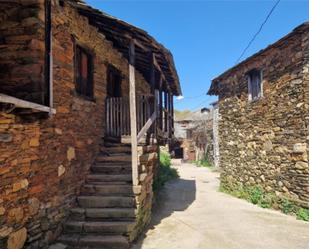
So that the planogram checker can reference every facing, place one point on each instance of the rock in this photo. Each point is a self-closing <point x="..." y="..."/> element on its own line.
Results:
<point x="5" y="231"/>
<point x="20" y="185"/>
<point x="301" y="165"/>
<point x="63" y="109"/>
<point x="6" y="138"/>
<point x="17" y="239"/>
<point x="268" y="145"/>
<point x="61" y="170"/>
<point x="137" y="189"/>
<point x="262" y="178"/>
<point x="300" y="148"/>
<point x="71" y="153"/>
<point x="34" y="142"/>
<point x="58" y="131"/>
<point x="2" y="211"/>
<point x="58" y="246"/>
<point x="34" y="205"/>
<point x="142" y="177"/>
<point x="15" y="215"/>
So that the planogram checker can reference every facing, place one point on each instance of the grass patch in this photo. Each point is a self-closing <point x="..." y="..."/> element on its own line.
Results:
<point x="257" y="196"/>
<point x="302" y="214"/>
<point x="203" y="163"/>
<point x="165" y="172"/>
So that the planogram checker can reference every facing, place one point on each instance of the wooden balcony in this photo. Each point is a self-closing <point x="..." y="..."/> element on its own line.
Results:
<point x="151" y="123"/>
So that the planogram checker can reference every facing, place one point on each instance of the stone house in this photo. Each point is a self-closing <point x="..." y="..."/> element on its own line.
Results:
<point x="85" y="100"/>
<point x="263" y="125"/>
<point x="193" y="131"/>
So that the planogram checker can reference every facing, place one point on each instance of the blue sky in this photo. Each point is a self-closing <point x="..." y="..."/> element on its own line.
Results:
<point x="207" y="37"/>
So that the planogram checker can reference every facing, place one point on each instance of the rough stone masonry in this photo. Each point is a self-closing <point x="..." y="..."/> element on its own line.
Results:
<point x="43" y="162"/>
<point x="266" y="142"/>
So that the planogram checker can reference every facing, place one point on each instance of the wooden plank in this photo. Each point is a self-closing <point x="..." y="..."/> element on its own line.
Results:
<point x="133" y="113"/>
<point x="146" y="126"/>
<point x="25" y="104"/>
<point x="172" y="114"/>
<point x="165" y="112"/>
<point x="107" y="118"/>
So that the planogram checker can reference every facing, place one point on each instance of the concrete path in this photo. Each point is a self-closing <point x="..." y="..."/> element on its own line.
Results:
<point x="192" y="214"/>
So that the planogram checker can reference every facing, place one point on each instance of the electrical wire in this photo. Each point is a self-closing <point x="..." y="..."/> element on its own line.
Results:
<point x="259" y="30"/>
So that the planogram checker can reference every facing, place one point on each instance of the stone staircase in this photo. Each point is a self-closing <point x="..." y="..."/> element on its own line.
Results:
<point x="105" y="212"/>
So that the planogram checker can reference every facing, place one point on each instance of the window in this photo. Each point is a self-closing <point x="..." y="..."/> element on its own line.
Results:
<point x="113" y="82"/>
<point x="83" y="70"/>
<point x="255" y="87"/>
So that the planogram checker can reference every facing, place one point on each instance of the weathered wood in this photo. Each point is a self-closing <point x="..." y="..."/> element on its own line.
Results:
<point x="133" y="113"/>
<point x="165" y="112"/>
<point x="146" y="126"/>
<point x="25" y="104"/>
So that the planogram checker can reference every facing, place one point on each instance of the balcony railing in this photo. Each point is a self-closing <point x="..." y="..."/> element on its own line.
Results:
<point x="118" y="115"/>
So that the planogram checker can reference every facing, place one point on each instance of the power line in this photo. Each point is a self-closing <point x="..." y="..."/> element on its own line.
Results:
<point x="259" y="30"/>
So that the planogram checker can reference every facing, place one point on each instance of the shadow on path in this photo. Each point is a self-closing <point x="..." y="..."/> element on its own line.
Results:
<point x="177" y="195"/>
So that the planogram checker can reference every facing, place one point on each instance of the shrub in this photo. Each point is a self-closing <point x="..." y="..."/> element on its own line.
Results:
<point x="302" y="214"/>
<point x="203" y="163"/>
<point x="165" y="172"/>
<point x="257" y="196"/>
<point x="287" y="207"/>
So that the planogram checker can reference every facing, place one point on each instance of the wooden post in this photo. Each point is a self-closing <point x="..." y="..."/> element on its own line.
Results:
<point x="133" y="113"/>
<point x="165" y="112"/>
<point x="160" y="104"/>
<point x="172" y="114"/>
<point x="153" y="108"/>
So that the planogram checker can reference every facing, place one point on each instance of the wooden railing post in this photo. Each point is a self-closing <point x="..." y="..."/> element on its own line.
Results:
<point x="133" y="113"/>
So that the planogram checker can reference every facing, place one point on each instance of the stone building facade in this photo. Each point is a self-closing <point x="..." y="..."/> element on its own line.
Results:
<point x="44" y="158"/>
<point x="263" y="128"/>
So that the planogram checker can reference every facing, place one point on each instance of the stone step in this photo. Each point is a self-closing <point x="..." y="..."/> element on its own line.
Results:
<point x="124" y="190"/>
<point x="105" y="201"/>
<point x="82" y="214"/>
<point x="106" y="227"/>
<point x="112" y="158"/>
<point x="111" y="169"/>
<point x="92" y="182"/>
<point x="95" y="241"/>
<point x="112" y="164"/>
<point x="111" y="144"/>
<point x="116" y="149"/>
<point x="108" y="178"/>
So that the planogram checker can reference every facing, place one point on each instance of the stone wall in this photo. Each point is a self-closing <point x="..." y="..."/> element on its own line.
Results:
<point x="43" y="162"/>
<point x="148" y="163"/>
<point x="265" y="142"/>
<point x="22" y="46"/>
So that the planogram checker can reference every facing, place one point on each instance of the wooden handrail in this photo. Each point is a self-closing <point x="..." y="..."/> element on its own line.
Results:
<point x="146" y="127"/>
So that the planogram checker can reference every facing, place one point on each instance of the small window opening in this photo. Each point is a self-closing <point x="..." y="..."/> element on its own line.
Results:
<point x="255" y="84"/>
<point x="114" y="79"/>
<point x="84" y="77"/>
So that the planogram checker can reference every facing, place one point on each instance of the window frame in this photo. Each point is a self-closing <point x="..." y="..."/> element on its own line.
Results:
<point x="112" y="70"/>
<point x="249" y="79"/>
<point x="90" y="71"/>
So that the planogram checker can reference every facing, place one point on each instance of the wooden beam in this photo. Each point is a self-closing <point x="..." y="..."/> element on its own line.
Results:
<point x="158" y="67"/>
<point x="146" y="126"/>
<point x="172" y="113"/>
<point x="133" y="115"/>
<point x="25" y="104"/>
<point x="166" y="112"/>
<point x="160" y="104"/>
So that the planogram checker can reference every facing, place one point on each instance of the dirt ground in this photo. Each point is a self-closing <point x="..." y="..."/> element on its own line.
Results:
<point x="193" y="214"/>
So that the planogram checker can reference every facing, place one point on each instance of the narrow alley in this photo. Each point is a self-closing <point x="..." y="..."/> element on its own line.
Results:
<point x="193" y="214"/>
